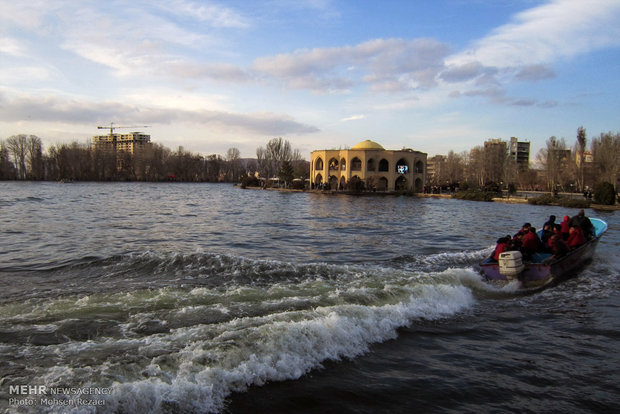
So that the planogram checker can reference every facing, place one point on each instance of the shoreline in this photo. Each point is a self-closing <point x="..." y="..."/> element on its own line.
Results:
<point x="508" y="200"/>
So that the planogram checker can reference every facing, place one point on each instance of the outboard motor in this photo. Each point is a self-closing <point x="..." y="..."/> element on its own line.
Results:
<point x="511" y="264"/>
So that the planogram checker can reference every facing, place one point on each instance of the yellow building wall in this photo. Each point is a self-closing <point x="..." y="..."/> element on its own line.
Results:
<point x="413" y="180"/>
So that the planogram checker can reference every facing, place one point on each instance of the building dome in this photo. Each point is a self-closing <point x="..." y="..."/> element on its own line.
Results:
<point x="368" y="145"/>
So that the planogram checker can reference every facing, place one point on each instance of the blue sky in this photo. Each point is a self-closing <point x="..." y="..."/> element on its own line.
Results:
<point x="434" y="75"/>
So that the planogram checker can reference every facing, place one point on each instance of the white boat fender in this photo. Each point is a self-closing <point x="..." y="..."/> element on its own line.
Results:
<point x="511" y="263"/>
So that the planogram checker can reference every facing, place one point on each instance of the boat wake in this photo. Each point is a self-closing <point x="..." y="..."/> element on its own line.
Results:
<point x="182" y="332"/>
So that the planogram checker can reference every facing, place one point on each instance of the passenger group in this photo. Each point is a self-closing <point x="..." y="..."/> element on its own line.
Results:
<point x="557" y="239"/>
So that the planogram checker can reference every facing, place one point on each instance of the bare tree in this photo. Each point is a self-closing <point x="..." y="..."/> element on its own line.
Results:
<point x="580" y="149"/>
<point x="274" y="154"/>
<point x="606" y="153"/>
<point x="34" y="157"/>
<point x="475" y="167"/>
<point x="554" y="159"/>
<point x="18" y="149"/>
<point x="233" y="161"/>
<point x="7" y="170"/>
<point x="494" y="161"/>
<point x="454" y="168"/>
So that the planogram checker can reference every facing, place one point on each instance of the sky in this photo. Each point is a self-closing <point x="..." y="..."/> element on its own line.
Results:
<point x="432" y="75"/>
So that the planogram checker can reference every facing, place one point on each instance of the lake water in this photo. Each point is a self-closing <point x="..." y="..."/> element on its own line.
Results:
<point x="196" y="298"/>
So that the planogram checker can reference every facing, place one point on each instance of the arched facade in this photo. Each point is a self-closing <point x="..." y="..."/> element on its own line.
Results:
<point x="378" y="168"/>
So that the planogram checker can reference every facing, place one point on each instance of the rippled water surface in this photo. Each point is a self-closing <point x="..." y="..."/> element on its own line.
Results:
<point x="207" y="298"/>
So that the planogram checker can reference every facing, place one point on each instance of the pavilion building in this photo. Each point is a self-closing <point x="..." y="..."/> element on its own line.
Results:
<point x="379" y="169"/>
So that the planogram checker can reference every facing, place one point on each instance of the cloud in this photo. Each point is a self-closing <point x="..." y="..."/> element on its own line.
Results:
<point x="54" y="109"/>
<point x="534" y="73"/>
<point x="556" y="30"/>
<point x="212" y="14"/>
<point x="217" y="71"/>
<point x="387" y="65"/>
<point x="353" y="118"/>
<point x="463" y="73"/>
<point x="527" y="48"/>
<point x="12" y="47"/>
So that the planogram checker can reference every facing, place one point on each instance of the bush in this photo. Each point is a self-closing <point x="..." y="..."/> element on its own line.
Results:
<point x="545" y="199"/>
<point x="551" y="200"/>
<point x="475" y="195"/>
<point x="298" y="185"/>
<point x="492" y="187"/>
<point x="574" y="202"/>
<point x="512" y="189"/>
<point x="604" y="193"/>
<point x="250" y="181"/>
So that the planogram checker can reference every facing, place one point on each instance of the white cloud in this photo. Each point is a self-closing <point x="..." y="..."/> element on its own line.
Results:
<point x="386" y="65"/>
<point x="212" y="14"/>
<point x="12" y="47"/>
<point x="353" y="118"/>
<point x="55" y="109"/>
<point x="543" y="34"/>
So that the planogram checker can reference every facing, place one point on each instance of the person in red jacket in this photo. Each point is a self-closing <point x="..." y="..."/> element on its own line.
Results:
<point x="531" y="242"/>
<point x="503" y="244"/>
<point x="565" y="227"/>
<point x="558" y="246"/>
<point x="576" y="237"/>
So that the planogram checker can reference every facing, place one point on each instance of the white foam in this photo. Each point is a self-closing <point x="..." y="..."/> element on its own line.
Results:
<point x="195" y="368"/>
<point x="275" y="347"/>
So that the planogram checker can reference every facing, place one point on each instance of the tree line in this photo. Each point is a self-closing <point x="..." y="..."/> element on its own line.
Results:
<point x="22" y="158"/>
<point x="561" y="168"/>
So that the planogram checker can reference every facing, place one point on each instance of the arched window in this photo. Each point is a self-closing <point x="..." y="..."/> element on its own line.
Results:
<point x="318" y="179"/>
<point x="371" y="165"/>
<point x="333" y="164"/>
<point x="343" y="164"/>
<point x="418" y="185"/>
<point x="419" y="167"/>
<point x="356" y="164"/>
<point x="333" y="182"/>
<point x="382" y="184"/>
<point x="402" y="167"/>
<point x="384" y="165"/>
<point x="401" y="183"/>
<point x="318" y="164"/>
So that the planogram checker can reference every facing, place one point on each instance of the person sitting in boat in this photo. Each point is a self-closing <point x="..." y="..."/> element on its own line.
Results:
<point x="524" y="229"/>
<point x="584" y="222"/>
<point x="576" y="237"/>
<point x="557" y="231"/>
<point x="558" y="246"/>
<point x="548" y="231"/>
<point x="565" y="225"/>
<point x="550" y="222"/>
<point x="503" y="244"/>
<point x="517" y="239"/>
<point x="531" y="242"/>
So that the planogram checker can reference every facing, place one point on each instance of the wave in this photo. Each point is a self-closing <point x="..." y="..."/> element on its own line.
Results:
<point x="195" y="368"/>
<point x="439" y="261"/>
<point x="224" y="324"/>
<point x="182" y="332"/>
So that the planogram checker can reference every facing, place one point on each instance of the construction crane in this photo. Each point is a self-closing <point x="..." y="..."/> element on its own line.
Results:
<point x="112" y="127"/>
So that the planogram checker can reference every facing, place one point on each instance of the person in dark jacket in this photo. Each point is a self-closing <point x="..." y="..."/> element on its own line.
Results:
<point x="550" y="222"/>
<point x="582" y="221"/>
